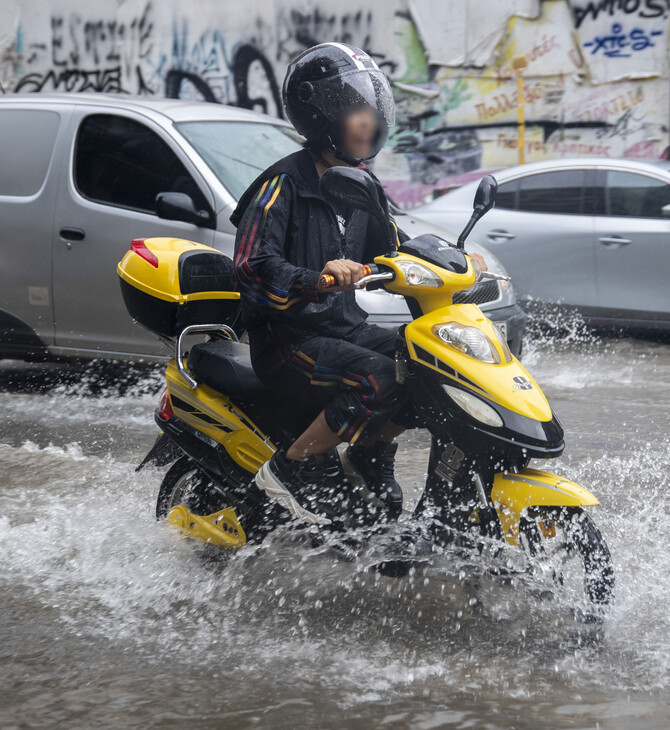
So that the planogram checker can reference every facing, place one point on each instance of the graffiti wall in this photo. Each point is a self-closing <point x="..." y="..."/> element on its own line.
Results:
<point x="596" y="81"/>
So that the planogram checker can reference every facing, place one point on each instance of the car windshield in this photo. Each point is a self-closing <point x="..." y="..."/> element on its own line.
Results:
<point x="237" y="152"/>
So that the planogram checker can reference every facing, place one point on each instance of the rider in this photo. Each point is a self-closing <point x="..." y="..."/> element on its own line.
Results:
<point x="311" y="344"/>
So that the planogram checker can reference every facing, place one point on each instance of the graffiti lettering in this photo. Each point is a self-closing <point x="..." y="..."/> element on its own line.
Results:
<point x="616" y="44"/>
<point x="628" y="124"/>
<point x="247" y="79"/>
<point x="501" y="105"/>
<point x="612" y="107"/>
<point x="547" y="45"/>
<point x="299" y="30"/>
<point x="92" y="55"/>
<point x="511" y="142"/>
<point x="570" y="149"/>
<point x="101" y="80"/>
<point x="641" y="8"/>
<point x="74" y="42"/>
<point x="453" y="122"/>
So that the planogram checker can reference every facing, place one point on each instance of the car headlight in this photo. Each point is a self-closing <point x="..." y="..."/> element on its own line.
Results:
<point x="473" y="406"/>
<point x="468" y="340"/>
<point x="418" y="275"/>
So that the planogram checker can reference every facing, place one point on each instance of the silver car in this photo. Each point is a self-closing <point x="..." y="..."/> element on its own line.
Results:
<point x="590" y="233"/>
<point x="83" y="175"/>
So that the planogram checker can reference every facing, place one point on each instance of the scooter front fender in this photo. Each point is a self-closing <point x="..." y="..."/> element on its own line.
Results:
<point x="514" y="492"/>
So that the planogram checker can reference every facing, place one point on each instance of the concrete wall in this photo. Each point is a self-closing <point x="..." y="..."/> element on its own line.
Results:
<point x="596" y="82"/>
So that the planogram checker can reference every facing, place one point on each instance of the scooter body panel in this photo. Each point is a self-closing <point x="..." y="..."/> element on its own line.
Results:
<point x="513" y="493"/>
<point x="507" y="383"/>
<point x="215" y="415"/>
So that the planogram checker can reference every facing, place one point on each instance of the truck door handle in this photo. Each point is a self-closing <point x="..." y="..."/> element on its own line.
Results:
<point x="498" y="234"/>
<point x="614" y="241"/>
<point x="72" y="234"/>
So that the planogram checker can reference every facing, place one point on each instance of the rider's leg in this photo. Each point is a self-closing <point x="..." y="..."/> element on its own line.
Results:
<point x="373" y="459"/>
<point x="317" y="439"/>
<point x="361" y="395"/>
<point x="387" y="433"/>
<point x="373" y="456"/>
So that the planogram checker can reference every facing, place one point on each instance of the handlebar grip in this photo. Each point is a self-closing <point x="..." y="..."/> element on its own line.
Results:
<point x="328" y="280"/>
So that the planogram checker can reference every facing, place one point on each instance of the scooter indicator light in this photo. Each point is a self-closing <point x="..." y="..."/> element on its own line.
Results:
<point x="142" y="250"/>
<point x="165" y="411"/>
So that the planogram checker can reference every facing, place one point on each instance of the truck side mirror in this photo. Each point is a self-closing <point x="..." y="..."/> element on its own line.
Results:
<point x="180" y="207"/>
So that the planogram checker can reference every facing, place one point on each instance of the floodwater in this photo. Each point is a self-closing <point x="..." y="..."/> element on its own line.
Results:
<point x="110" y="620"/>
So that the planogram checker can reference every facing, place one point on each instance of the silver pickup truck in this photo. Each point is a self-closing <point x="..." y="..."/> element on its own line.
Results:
<point x="83" y="175"/>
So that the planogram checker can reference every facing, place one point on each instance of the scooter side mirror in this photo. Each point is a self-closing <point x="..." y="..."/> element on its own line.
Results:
<point x="347" y="186"/>
<point x="485" y="199"/>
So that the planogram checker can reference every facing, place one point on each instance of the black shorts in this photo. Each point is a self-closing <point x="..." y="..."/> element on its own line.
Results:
<point x="352" y="379"/>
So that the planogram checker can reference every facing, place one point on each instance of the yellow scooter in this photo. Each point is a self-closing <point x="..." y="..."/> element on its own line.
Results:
<point x="486" y="415"/>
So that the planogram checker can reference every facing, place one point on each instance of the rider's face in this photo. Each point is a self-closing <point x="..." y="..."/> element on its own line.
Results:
<point x="359" y="128"/>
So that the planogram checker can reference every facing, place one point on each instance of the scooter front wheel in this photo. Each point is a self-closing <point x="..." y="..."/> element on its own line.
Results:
<point x="568" y="543"/>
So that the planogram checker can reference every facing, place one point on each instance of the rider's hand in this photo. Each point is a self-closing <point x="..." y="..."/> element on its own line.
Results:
<point x="480" y="260"/>
<point x="346" y="273"/>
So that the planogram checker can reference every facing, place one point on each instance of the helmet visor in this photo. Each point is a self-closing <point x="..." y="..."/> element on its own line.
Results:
<point x="353" y="89"/>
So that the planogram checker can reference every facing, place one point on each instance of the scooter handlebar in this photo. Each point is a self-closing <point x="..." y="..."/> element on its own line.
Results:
<point x="491" y="275"/>
<point x="328" y="280"/>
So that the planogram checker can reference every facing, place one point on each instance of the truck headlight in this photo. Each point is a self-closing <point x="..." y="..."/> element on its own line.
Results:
<point x="468" y="340"/>
<point x="473" y="406"/>
<point x="418" y="275"/>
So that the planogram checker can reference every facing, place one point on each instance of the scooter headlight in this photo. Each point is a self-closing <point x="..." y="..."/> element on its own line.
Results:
<point x="468" y="340"/>
<point x="418" y="275"/>
<point x="473" y="406"/>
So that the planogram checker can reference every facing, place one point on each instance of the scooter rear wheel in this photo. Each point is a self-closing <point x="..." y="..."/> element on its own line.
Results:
<point x="185" y="484"/>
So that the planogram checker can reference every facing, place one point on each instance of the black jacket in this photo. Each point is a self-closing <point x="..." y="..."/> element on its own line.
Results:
<point x="286" y="232"/>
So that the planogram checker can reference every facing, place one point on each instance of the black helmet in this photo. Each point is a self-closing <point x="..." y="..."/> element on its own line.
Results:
<point x="326" y="80"/>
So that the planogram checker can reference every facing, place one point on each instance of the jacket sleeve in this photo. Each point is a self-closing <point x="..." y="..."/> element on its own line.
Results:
<point x="262" y="270"/>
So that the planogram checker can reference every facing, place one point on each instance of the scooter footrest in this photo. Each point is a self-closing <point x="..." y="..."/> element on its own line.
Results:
<point x="219" y="528"/>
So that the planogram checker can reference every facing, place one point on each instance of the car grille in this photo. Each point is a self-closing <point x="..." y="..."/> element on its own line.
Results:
<point x="487" y="291"/>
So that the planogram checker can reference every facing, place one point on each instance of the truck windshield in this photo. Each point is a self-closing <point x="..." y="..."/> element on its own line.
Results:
<point x="237" y="152"/>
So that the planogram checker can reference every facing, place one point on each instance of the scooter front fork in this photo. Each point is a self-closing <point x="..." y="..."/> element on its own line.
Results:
<point x="456" y="497"/>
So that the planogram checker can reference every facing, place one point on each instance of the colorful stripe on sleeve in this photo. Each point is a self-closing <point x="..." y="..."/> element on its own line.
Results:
<point x="263" y="292"/>
<point x="395" y="229"/>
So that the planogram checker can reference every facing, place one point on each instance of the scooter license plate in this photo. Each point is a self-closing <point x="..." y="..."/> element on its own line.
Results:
<point x="502" y="328"/>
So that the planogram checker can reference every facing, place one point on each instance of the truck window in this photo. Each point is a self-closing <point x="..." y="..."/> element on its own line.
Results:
<point x="121" y="162"/>
<point x="27" y="138"/>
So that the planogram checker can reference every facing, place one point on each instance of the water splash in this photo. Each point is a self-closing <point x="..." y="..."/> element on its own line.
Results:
<point x="299" y="635"/>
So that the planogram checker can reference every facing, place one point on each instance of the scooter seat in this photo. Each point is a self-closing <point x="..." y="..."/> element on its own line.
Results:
<point x="226" y="367"/>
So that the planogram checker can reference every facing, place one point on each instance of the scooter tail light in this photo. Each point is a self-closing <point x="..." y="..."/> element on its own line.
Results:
<point x="142" y="250"/>
<point x="165" y="411"/>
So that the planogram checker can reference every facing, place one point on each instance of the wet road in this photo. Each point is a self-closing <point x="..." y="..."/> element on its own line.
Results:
<point x="111" y="620"/>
